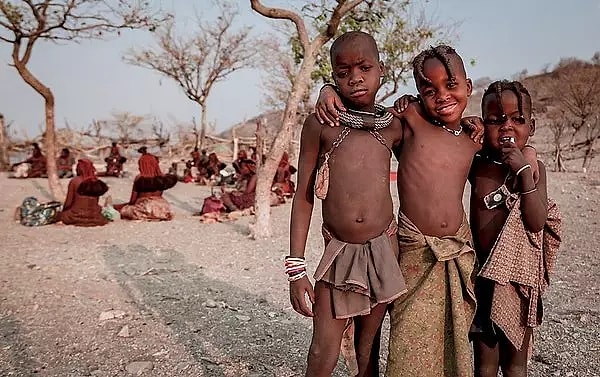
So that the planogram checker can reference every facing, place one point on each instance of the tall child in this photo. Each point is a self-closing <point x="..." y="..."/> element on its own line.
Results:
<point x="348" y="168"/>
<point x="516" y="233"/>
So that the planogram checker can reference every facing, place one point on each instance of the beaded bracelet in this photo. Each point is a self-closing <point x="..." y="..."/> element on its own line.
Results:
<point x="295" y="268"/>
<point x="526" y="166"/>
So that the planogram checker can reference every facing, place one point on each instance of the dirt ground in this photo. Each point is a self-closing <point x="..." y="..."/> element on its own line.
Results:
<point x="182" y="298"/>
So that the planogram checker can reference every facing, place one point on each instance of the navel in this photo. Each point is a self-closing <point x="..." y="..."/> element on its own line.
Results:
<point x="444" y="224"/>
<point x="359" y="220"/>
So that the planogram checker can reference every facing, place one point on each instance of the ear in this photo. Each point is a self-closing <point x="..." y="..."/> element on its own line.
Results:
<point x="382" y="68"/>
<point x="532" y="127"/>
<point x="333" y="78"/>
<point x="469" y="87"/>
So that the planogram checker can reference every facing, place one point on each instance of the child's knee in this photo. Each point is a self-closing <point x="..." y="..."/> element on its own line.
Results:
<point x="322" y="358"/>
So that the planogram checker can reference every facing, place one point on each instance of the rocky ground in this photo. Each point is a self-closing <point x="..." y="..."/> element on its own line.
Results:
<point x="189" y="299"/>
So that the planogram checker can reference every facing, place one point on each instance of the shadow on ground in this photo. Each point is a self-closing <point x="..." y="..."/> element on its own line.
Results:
<point x="224" y="328"/>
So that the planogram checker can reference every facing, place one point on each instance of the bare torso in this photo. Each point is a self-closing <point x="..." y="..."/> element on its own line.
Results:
<point x="433" y="166"/>
<point x="359" y="206"/>
<point x="486" y="223"/>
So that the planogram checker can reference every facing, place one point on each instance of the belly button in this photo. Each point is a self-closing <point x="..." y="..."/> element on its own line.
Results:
<point x="359" y="220"/>
<point x="444" y="224"/>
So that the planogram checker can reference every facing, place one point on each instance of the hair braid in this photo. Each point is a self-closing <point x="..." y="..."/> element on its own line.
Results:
<point x="497" y="87"/>
<point x="441" y="53"/>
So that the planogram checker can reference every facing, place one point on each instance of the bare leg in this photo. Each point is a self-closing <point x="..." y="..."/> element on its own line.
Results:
<point x="513" y="361"/>
<point x="368" y="330"/>
<point x="487" y="358"/>
<point x="327" y="335"/>
<point x="367" y="338"/>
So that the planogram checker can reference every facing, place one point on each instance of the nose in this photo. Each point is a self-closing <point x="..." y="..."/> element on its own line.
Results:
<point x="356" y="78"/>
<point x="442" y="95"/>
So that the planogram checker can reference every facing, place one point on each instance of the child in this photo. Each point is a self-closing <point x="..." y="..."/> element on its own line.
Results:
<point x="508" y="213"/>
<point x="349" y="168"/>
<point x="430" y="325"/>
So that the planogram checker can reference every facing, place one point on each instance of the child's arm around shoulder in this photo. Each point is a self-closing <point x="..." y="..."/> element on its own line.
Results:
<point x="302" y="207"/>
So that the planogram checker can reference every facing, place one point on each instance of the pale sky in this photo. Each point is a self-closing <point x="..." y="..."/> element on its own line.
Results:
<point x="90" y="80"/>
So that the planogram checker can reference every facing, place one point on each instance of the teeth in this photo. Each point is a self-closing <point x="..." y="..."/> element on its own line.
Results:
<point x="507" y="139"/>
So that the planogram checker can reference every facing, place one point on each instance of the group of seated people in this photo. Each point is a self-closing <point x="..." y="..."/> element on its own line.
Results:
<point x="209" y="169"/>
<point x="35" y="165"/>
<point x="82" y="208"/>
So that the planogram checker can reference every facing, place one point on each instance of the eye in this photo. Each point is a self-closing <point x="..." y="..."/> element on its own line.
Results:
<point x="493" y="121"/>
<point x="342" y="74"/>
<point x="451" y="85"/>
<point x="366" y="68"/>
<point x="428" y="92"/>
<point x="519" y="120"/>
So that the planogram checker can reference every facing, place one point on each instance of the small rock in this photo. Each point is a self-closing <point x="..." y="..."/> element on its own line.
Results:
<point x="111" y="314"/>
<point x="138" y="368"/>
<point x="210" y="303"/>
<point x="243" y="318"/>
<point x="570" y="374"/>
<point x="583" y="318"/>
<point x="124" y="333"/>
<point x="272" y="314"/>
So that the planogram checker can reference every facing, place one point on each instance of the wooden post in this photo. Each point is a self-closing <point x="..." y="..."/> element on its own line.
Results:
<point x="4" y="158"/>
<point x="236" y="146"/>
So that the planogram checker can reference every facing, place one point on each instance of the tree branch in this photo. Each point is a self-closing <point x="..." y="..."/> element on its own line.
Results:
<point x="284" y="14"/>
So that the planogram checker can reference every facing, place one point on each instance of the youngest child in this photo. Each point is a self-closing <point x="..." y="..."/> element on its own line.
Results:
<point x="516" y="232"/>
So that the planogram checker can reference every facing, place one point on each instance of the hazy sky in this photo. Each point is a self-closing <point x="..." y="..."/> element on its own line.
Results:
<point x="90" y="80"/>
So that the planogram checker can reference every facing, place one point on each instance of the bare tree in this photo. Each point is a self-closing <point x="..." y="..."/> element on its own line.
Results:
<point x="25" y="22"/>
<point x="310" y="49"/>
<point x="127" y="126"/>
<point x="198" y="62"/>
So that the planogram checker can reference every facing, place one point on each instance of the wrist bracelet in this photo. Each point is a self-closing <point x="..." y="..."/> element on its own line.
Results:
<point x="526" y="166"/>
<point x="530" y="146"/>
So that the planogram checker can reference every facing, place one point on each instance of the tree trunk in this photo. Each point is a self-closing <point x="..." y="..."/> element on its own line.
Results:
<point x="202" y="126"/>
<point x="50" y="134"/>
<point x="262" y="226"/>
<point x="4" y="158"/>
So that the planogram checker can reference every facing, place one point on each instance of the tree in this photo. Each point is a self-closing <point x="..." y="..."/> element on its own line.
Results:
<point x="310" y="49"/>
<point x="198" y="62"/>
<point x="25" y="22"/>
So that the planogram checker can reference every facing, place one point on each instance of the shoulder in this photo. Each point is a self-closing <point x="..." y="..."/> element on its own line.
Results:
<point x="312" y="127"/>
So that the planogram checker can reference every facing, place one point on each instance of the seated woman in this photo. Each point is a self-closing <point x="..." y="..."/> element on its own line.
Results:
<point x="282" y="183"/>
<point x="34" y="166"/>
<point x="81" y="205"/>
<point x="243" y="196"/>
<point x="114" y="162"/>
<point x="214" y="167"/>
<point x="64" y="164"/>
<point x="146" y="202"/>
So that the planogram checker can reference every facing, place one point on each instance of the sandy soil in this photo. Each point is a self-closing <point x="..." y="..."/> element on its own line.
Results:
<point x="189" y="299"/>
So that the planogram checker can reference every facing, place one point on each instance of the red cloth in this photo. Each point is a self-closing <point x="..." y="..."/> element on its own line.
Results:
<point x="85" y="169"/>
<point x="148" y="165"/>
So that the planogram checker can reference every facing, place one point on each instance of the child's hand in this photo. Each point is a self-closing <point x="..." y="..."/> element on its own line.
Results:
<point x="512" y="156"/>
<point x="474" y="127"/>
<point x="298" y="291"/>
<point x="327" y="107"/>
<point x="403" y="102"/>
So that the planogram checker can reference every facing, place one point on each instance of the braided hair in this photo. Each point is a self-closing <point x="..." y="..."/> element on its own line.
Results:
<point x="443" y="53"/>
<point x="497" y="87"/>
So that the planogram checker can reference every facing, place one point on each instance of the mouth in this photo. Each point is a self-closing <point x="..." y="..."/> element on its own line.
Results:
<point x="358" y="93"/>
<point x="446" y="110"/>
<point x="507" y="139"/>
